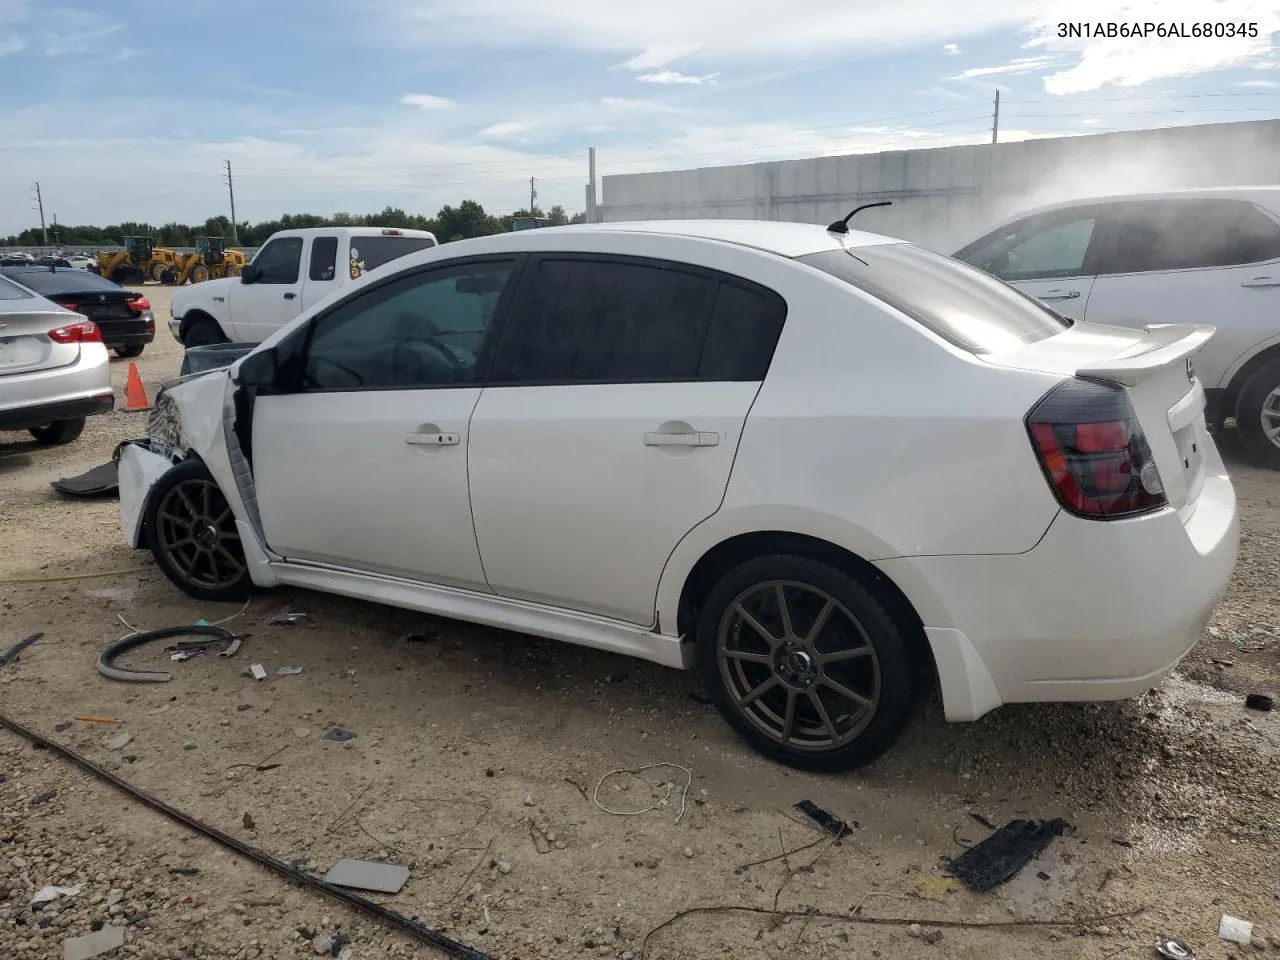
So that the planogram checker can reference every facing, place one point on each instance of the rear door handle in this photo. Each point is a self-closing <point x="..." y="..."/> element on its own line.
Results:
<point x="1060" y="295"/>
<point x="290" y="295"/>
<point x="1261" y="282"/>
<point x="700" y="438"/>
<point x="432" y="439"/>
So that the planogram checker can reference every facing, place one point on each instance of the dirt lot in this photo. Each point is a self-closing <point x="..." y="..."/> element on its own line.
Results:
<point x="477" y="753"/>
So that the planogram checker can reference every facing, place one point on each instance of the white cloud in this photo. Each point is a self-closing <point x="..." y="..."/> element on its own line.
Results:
<point x="11" y="44"/>
<point x="1090" y="121"/>
<point x="659" y="55"/>
<point x="427" y="101"/>
<point x="1260" y="84"/>
<point x="630" y="105"/>
<point x="508" y="130"/>
<point x="675" y="76"/>
<point x="1020" y="65"/>
<point x="950" y="49"/>
<point x="72" y="32"/>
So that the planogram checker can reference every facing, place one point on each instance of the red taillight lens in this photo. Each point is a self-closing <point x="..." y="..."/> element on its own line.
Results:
<point x="67" y="305"/>
<point x="1094" y="453"/>
<point x="86" y="332"/>
<point x="138" y="303"/>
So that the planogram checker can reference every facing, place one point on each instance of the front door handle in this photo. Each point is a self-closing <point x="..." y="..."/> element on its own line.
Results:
<point x="1261" y="282"/>
<point x="699" y="438"/>
<point x="290" y="295"/>
<point x="1060" y="295"/>
<point x="432" y="439"/>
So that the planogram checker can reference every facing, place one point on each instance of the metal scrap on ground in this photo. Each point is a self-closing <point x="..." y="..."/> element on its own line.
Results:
<point x="368" y="875"/>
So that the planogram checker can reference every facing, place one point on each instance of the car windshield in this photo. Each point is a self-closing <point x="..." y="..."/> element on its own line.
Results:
<point x="963" y="305"/>
<point x="67" y="280"/>
<point x="11" y="291"/>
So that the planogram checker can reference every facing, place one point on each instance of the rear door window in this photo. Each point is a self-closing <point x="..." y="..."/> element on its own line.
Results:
<point x="1176" y="234"/>
<point x="324" y="258"/>
<point x="961" y="304"/>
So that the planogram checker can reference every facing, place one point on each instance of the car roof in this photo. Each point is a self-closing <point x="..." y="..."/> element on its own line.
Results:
<point x="351" y="232"/>
<point x="1268" y="196"/>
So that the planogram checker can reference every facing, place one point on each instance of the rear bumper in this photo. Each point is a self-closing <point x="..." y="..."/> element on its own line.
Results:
<point x="127" y="333"/>
<point x="79" y="389"/>
<point x="39" y="414"/>
<point x="1096" y="611"/>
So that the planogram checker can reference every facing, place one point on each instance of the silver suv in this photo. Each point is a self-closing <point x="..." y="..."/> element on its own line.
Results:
<point x="54" y="367"/>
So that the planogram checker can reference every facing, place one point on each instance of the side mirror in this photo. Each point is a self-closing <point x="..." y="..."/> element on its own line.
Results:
<point x="259" y="369"/>
<point x="252" y="273"/>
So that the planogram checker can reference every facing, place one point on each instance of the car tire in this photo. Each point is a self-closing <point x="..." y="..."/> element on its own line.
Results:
<point x="203" y="333"/>
<point x="1258" y="410"/>
<point x="763" y="688"/>
<point x="134" y="350"/>
<point x="62" y="431"/>
<point x="192" y="535"/>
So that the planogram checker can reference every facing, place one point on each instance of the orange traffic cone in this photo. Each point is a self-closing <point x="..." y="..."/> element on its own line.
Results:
<point x="135" y="395"/>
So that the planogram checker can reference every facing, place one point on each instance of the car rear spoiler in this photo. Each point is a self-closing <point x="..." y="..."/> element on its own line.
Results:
<point x="1164" y="344"/>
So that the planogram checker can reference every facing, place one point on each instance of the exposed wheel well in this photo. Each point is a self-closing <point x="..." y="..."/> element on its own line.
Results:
<point x="195" y="316"/>
<point x="1242" y="376"/>
<point x="729" y="554"/>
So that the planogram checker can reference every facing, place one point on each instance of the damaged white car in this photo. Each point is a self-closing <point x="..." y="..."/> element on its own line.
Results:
<point x="827" y="469"/>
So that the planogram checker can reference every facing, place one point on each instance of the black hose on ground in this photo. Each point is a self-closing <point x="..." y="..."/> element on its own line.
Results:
<point x="106" y="660"/>
<point x="423" y="933"/>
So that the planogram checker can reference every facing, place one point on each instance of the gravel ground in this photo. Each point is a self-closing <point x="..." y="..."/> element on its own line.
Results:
<point x="477" y="753"/>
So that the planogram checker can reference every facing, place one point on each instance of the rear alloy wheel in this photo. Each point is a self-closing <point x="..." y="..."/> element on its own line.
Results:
<point x="133" y="350"/>
<point x="192" y="533"/>
<point x="804" y="663"/>
<point x="1258" y="414"/>
<point x="63" y="431"/>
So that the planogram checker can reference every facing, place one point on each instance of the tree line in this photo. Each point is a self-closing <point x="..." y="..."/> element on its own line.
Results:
<point x="467" y="219"/>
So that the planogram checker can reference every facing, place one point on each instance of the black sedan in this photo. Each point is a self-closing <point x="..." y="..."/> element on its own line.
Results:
<point x="123" y="316"/>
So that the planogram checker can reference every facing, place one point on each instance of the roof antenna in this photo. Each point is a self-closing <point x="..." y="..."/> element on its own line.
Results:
<point x="842" y="226"/>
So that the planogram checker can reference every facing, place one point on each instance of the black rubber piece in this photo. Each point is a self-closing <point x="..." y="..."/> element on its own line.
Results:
<point x="999" y="857"/>
<point x="423" y="933"/>
<point x="106" y="660"/>
<point x="102" y="480"/>
<point x="11" y="655"/>
<point x="1259" y="701"/>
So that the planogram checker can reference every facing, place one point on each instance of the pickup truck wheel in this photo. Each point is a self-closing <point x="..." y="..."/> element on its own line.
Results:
<point x="63" y="431"/>
<point x="1258" y="414"/>
<point x="192" y="532"/>
<point x="804" y="662"/>
<point x="203" y="333"/>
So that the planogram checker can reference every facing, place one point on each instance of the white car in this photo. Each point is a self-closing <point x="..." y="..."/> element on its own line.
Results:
<point x="819" y="466"/>
<point x="1190" y="256"/>
<point x="54" y="368"/>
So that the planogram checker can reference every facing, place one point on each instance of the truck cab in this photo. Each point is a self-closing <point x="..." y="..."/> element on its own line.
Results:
<point x="291" y="272"/>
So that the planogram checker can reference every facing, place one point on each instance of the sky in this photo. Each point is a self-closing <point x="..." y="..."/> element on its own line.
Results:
<point x="129" y="110"/>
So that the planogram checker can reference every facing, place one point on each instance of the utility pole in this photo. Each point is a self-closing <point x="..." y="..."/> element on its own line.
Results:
<point x="995" y="119"/>
<point x="55" y="229"/>
<point x="591" y="188"/>
<point x="40" y="206"/>
<point x="533" y="197"/>
<point x="231" y="191"/>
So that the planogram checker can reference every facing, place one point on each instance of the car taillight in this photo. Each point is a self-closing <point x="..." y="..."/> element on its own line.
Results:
<point x="86" y="332"/>
<point x="67" y="305"/>
<point x="1094" y="452"/>
<point x="138" y="303"/>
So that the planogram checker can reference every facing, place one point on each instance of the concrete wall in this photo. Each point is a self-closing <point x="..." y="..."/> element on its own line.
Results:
<point x="945" y="196"/>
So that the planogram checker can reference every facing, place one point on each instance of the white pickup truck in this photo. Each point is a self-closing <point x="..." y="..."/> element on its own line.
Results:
<point x="292" y="271"/>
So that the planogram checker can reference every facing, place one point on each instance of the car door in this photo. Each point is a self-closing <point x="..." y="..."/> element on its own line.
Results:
<point x="323" y="276"/>
<point x="1194" y="260"/>
<point x="363" y="462"/>
<point x="610" y="423"/>
<point x="260" y="308"/>
<point x="1050" y="256"/>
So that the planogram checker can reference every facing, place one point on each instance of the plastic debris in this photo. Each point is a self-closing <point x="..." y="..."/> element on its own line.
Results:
<point x="93" y="944"/>
<point x="1235" y="930"/>
<point x="1174" y="949"/>
<point x="288" y="617"/>
<point x="118" y="742"/>
<point x="101" y="481"/>
<point x="825" y="821"/>
<point x="1259" y="701"/>
<point x="288" y="671"/>
<point x="52" y="893"/>
<point x="231" y="649"/>
<point x="338" y="735"/>
<point x="257" y="671"/>
<point x="190" y="653"/>
<point x="1003" y="854"/>
<point x="368" y="875"/>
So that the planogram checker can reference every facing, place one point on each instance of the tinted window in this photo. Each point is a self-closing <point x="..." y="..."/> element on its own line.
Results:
<point x="324" y="258"/>
<point x="594" y="320"/>
<point x="279" y="260"/>
<point x="745" y="326"/>
<point x="1054" y="245"/>
<point x="11" y="291"/>
<point x="373" y="252"/>
<point x="1185" y="234"/>
<point x="46" y="281"/>
<point x="422" y="330"/>
<point x="970" y="308"/>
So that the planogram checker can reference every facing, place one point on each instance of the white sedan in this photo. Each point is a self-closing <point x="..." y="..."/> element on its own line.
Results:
<point x="824" y="468"/>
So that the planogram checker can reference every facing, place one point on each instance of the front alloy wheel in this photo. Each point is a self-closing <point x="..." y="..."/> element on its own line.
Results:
<point x="192" y="533"/>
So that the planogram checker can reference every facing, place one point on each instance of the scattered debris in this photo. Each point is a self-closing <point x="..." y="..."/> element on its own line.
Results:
<point x="98" y="720"/>
<point x="302" y="732"/>
<point x="1235" y="930"/>
<point x="1174" y="949"/>
<point x="368" y="875"/>
<point x="62" y="727"/>
<point x="52" y="893"/>
<point x="288" y="617"/>
<point x="189" y="653"/>
<point x="288" y="671"/>
<point x="248" y="822"/>
<point x="42" y="798"/>
<point x="338" y="735"/>
<point x="825" y="821"/>
<point x="322" y="944"/>
<point x="1259" y="701"/>
<point x="1003" y="854"/>
<point x="11" y="655"/>
<point x="93" y="944"/>
<point x="257" y="671"/>
<point x="232" y="648"/>
<point x="663" y="801"/>
<point x="118" y="742"/>
<point x="185" y="871"/>
<point x="188" y="745"/>
<point x="979" y="818"/>
<point x="106" y="660"/>
<point x="101" y="481"/>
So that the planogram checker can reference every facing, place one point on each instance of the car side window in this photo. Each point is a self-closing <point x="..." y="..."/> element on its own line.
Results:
<point x="418" y="331"/>
<point x="1157" y="235"/>
<point x="1051" y="246"/>
<point x="618" y="320"/>
<point x="324" y="258"/>
<point x="279" y="260"/>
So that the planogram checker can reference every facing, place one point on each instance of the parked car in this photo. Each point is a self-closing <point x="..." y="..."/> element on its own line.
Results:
<point x="274" y="288"/>
<point x="1191" y="256"/>
<point x="82" y="261"/>
<point x="53" y="367"/>
<point x="123" y="317"/>
<point x="818" y="467"/>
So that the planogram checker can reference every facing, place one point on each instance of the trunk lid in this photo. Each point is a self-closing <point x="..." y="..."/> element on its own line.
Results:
<point x="25" y="346"/>
<point x="1154" y="366"/>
